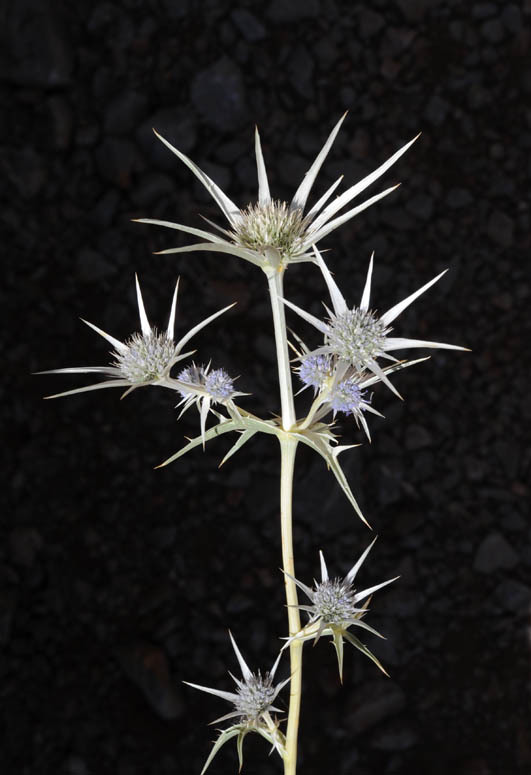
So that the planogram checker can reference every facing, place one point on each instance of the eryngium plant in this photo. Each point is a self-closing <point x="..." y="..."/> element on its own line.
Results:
<point x="341" y="370"/>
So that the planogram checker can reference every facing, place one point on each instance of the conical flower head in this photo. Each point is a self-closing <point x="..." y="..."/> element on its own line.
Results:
<point x="315" y="370"/>
<point x="335" y="608"/>
<point x="269" y="233"/>
<point x="271" y="225"/>
<point x="334" y="601"/>
<point x="253" y="702"/>
<point x="254" y="696"/>
<point x="356" y="336"/>
<point x="145" y="358"/>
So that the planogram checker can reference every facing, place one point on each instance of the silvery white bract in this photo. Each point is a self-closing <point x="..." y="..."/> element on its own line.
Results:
<point x="271" y="233"/>
<point x="145" y="358"/>
<point x="253" y="702"/>
<point x="334" y="608"/>
<point x="358" y="336"/>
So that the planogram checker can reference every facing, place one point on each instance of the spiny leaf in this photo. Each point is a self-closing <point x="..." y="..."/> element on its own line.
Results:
<point x="224" y="737"/>
<point x="338" y="645"/>
<point x="223" y="427"/>
<point x="324" y="448"/>
<point x="239" y="746"/>
<point x="364" y="650"/>
<point x="245" y="436"/>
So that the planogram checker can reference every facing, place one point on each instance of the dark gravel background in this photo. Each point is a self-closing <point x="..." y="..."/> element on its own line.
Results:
<point x="119" y="581"/>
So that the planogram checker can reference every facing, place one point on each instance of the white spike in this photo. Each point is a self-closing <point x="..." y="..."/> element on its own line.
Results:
<point x="357" y="188"/>
<point x="229" y="209"/>
<point x="399" y="343"/>
<point x="395" y="311"/>
<point x="301" y="195"/>
<point x="243" y="665"/>
<point x="369" y="591"/>
<point x="351" y="575"/>
<point x="170" y="333"/>
<point x="144" y="322"/>
<point x="229" y="696"/>
<point x="97" y="386"/>
<point x="205" y="408"/>
<point x="364" y="304"/>
<point x="325" y="197"/>
<point x="338" y="300"/>
<point x="274" y="668"/>
<point x="264" y="197"/>
<point x="375" y="368"/>
<point x="324" y="570"/>
<point x="120" y="346"/>
<point x="107" y="370"/>
<point x="199" y="326"/>
<point x="319" y="325"/>
<point x="317" y="232"/>
<point x="187" y="229"/>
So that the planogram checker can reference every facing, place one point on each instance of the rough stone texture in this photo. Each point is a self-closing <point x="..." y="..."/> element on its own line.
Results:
<point x="495" y="553"/>
<point x="118" y="581"/>
<point x="218" y="93"/>
<point x="36" y="51"/>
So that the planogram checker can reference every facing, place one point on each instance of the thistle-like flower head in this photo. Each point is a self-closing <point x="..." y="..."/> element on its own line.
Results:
<point x="358" y="337"/>
<point x="315" y="370"/>
<point x="272" y="233"/>
<point x="204" y="388"/>
<point x="145" y="358"/>
<point x="335" y="608"/>
<point x="253" y="702"/>
<point x="271" y="225"/>
<point x="217" y="383"/>
<point x="255" y="694"/>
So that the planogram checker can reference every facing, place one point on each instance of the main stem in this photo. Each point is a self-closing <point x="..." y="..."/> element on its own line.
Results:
<point x="288" y="448"/>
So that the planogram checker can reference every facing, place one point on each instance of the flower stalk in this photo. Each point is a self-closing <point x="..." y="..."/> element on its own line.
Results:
<point x="275" y="279"/>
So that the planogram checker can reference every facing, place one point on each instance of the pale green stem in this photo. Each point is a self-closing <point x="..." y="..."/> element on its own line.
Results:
<point x="288" y="448"/>
<point x="274" y="280"/>
<point x="318" y="402"/>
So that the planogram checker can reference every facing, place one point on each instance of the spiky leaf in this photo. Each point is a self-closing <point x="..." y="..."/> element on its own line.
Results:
<point x="223" y="738"/>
